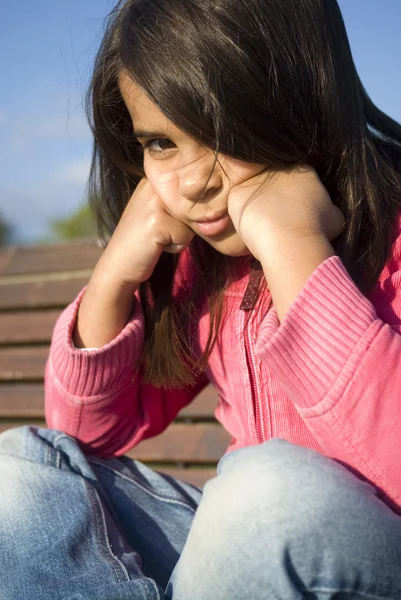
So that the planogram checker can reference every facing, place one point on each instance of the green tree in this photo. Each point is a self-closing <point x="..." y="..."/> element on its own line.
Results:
<point x="80" y="224"/>
<point x="6" y="232"/>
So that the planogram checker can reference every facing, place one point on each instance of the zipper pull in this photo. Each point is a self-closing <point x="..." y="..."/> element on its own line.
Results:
<point x="251" y="292"/>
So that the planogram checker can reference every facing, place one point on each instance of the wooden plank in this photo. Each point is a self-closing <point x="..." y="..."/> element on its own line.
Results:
<point x="26" y="327"/>
<point x="22" y="400"/>
<point x="46" y="258"/>
<point x="195" y="476"/>
<point x="6" y="255"/>
<point x="203" y="406"/>
<point x="19" y="364"/>
<point x="46" y="293"/>
<point x="195" y="443"/>
<point x="26" y="400"/>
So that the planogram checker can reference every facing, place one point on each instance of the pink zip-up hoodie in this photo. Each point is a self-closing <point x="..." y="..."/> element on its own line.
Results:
<point x="328" y="377"/>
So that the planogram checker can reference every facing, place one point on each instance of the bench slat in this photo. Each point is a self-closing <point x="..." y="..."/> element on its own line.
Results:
<point x="28" y="363"/>
<point x="196" y="476"/>
<point x="36" y="284"/>
<point x="46" y="258"/>
<point x="22" y="363"/>
<point x="6" y="255"/>
<point x="194" y="443"/>
<point x="44" y="293"/>
<point x="27" y="328"/>
<point x="198" y="442"/>
<point x="26" y="400"/>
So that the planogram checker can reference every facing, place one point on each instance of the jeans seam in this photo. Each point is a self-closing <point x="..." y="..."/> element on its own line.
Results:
<point x="105" y="546"/>
<point x="154" y="587"/>
<point x="158" y="495"/>
<point x="101" y="526"/>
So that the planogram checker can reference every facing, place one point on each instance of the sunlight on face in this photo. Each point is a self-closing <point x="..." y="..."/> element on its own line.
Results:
<point x="178" y="168"/>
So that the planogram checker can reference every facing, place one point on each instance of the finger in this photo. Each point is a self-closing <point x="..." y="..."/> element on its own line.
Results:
<point x="174" y="248"/>
<point x="178" y="233"/>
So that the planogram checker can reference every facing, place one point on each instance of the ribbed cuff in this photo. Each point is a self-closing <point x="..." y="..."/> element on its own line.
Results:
<point x="100" y="372"/>
<point x="323" y="327"/>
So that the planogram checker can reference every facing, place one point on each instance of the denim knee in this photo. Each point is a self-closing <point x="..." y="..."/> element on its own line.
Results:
<point x="57" y="537"/>
<point x="288" y="488"/>
<point x="283" y="521"/>
<point x="49" y="447"/>
<point x="28" y="440"/>
<point x="38" y="468"/>
<point x="12" y="440"/>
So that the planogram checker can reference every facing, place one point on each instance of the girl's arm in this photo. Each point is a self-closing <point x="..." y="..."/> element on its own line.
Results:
<point x="338" y="355"/>
<point x="96" y="395"/>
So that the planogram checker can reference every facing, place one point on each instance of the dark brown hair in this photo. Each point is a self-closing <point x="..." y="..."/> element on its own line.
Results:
<point x="265" y="81"/>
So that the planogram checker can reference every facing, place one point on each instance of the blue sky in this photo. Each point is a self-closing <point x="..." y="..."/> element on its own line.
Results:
<point x="47" y="49"/>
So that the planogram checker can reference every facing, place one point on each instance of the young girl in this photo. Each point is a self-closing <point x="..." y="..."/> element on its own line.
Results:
<point x="248" y="193"/>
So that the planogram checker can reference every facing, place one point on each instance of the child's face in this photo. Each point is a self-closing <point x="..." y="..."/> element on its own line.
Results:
<point x="178" y="167"/>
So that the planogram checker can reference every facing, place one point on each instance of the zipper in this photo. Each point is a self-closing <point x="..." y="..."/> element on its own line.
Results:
<point x="255" y="400"/>
<point x="248" y="304"/>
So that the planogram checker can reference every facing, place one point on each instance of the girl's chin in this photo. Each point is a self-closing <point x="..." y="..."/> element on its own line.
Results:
<point x="230" y="246"/>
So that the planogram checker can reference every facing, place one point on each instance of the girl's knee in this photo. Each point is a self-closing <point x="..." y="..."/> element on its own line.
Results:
<point x="47" y="447"/>
<point x="22" y="451"/>
<point x="36" y="466"/>
<point x="12" y="440"/>
<point x="282" y="487"/>
<point x="276" y="467"/>
<point x="37" y="444"/>
<point x="284" y="515"/>
<point x="17" y="438"/>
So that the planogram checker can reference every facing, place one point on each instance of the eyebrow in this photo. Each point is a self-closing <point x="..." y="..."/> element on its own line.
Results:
<point x="141" y="133"/>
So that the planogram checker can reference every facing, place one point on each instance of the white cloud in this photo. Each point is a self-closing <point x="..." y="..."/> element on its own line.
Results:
<point x="59" y="126"/>
<point x="75" y="172"/>
<point x="25" y="132"/>
<point x="45" y="148"/>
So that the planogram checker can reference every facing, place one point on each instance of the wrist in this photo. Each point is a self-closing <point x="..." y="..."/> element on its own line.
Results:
<point x="279" y="251"/>
<point x="287" y="265"/>
<point x="109" y="280"/>
<point x="105" y="309"/>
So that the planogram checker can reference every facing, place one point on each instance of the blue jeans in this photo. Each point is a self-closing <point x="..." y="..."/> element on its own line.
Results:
<point x="278" y="522"/>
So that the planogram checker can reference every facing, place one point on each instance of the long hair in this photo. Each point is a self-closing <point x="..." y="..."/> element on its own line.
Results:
<point x="265" y="81"/>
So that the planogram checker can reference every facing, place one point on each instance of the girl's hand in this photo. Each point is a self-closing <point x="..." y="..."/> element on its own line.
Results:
<point x="144" y="231"/>
<point x="283" y="205"/>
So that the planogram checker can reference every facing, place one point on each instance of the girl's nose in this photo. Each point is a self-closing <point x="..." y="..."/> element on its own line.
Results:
<point x="194" y="176"/>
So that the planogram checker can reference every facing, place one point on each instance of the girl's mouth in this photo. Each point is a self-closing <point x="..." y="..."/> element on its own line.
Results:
<point x="213" y="227"/>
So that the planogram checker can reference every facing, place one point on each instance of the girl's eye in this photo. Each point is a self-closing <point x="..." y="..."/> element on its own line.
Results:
<point x="157" y="146"/>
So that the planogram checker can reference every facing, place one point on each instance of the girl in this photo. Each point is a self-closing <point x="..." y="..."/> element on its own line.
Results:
<point x="248" y="192"/>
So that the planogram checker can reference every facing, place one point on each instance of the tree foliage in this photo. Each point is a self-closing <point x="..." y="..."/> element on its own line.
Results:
<point x="6" y="232"/>
<point x="80" y="224"/>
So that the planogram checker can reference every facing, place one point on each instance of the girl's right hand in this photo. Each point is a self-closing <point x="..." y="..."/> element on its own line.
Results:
<point x="144" y="231"/>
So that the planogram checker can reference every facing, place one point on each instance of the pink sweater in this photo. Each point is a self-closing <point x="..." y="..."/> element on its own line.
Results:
<point x="328" y="377"/>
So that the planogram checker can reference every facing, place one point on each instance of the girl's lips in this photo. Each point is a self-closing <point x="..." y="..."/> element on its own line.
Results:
<point x="213" y="227"/>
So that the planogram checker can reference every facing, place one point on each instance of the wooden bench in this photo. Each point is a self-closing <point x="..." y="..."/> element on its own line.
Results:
<point x="36" y="284"/>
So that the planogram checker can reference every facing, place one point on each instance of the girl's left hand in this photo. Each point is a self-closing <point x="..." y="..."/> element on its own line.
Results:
<point x="284" y="204"/>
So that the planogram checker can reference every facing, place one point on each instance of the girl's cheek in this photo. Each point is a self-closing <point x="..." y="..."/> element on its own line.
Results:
<point x="165" y="186"/>
<point x="239" y="170"/>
